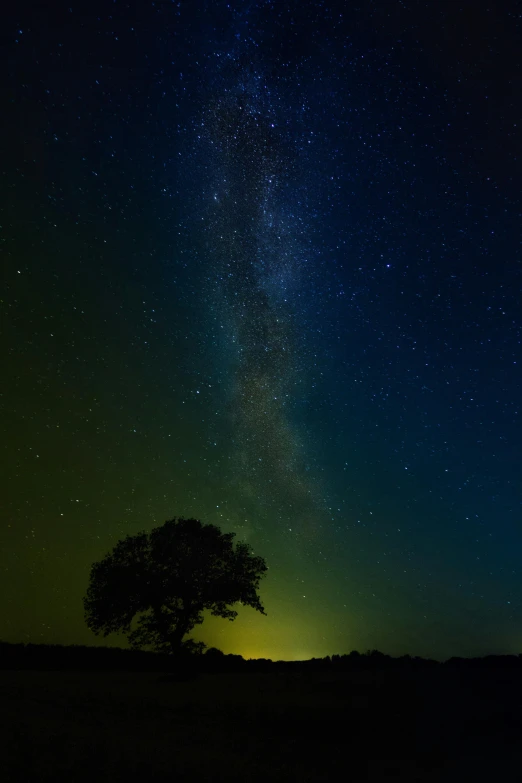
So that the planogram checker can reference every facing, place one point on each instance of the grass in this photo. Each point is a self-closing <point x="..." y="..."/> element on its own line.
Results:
<point x="91" y="726"/>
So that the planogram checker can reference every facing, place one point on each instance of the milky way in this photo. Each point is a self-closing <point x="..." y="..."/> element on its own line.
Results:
<point x="256" y="250"/>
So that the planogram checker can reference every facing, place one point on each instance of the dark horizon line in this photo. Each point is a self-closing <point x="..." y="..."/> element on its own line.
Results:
<point x="355" y="654"/>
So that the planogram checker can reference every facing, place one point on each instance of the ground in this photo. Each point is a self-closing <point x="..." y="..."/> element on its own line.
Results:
<point x="431" y="726"/>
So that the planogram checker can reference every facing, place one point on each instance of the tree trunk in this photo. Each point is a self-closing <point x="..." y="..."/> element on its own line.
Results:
<point x="176" y="636"/>
<point x="173" y="635"/>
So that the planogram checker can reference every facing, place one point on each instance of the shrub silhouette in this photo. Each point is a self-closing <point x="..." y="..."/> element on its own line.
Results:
<point x="166" y="579"/>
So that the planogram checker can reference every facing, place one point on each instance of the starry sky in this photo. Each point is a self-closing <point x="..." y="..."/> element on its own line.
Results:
<point x="262" y="266"/>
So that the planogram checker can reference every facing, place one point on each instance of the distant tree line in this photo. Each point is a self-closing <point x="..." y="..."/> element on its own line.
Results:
<point x="56" y="657"/>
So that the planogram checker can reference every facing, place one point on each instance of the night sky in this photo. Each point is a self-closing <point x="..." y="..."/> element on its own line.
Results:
<point x="261" y="266"/>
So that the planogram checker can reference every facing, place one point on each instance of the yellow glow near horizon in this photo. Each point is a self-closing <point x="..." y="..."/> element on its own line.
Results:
<point x="280" y="635"/>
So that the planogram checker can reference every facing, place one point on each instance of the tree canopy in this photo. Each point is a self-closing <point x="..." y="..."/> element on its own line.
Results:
<point x="166" y="579"/>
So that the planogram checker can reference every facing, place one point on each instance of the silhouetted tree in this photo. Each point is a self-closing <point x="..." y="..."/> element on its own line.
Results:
<point x="166" y="579"/>
<point x="213" y="653"/>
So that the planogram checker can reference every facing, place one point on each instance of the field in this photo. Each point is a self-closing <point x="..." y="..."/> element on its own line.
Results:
<point x="359" y="726"/>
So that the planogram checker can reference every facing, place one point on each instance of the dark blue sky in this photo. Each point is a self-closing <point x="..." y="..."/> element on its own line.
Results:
<point x="263" y="268"/>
